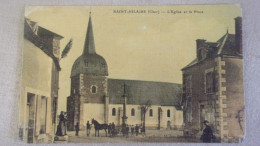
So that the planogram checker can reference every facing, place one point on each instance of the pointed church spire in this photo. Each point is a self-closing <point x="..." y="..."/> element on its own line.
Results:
<point x="89" y="47"/>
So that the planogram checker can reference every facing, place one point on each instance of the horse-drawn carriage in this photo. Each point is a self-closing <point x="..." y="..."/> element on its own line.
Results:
<point x="112" y="131"/>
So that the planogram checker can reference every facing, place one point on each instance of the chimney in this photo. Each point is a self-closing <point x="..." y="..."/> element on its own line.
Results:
<point x="200" y="44"/>
<point x="238" y="35"/>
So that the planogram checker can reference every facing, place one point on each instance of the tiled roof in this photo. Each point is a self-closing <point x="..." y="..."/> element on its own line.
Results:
<point x="224" y="46"/>
<point x="31" y="33"/>
<point x="46" y="32"/>
<point x="139" y="92"/>
<point x="193" y="62"/>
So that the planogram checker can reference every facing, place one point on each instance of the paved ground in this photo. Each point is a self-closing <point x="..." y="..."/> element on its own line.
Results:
<point x="151" y="136"/>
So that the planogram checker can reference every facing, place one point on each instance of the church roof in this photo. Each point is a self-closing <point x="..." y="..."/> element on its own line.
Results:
<point x="90" y="62"/>
<point x="139" y="92"/>
<point x="89" y="47"/>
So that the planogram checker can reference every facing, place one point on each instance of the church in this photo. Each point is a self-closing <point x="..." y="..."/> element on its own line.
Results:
<point x="94" y="95"/>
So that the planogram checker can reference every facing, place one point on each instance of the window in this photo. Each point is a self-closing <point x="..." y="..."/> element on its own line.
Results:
<point x="113" y="112"/>
<point x="133" y="112"/>
<point x="43" y="114"/>
<point x="211" y="82"/>
<point x="94" y="89"/>
<point x="151" y="112"/>
<point x="168" y="113"/>
<point x="188" y="85"/>
<point x="188" y="112"/>
<point x="86" y="63"/>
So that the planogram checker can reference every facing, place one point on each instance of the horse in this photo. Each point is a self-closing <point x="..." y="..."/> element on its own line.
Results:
<point x="99" y="126"/>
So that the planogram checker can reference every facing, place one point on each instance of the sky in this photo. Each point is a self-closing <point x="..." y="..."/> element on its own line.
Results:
<point x="137" y="46"/>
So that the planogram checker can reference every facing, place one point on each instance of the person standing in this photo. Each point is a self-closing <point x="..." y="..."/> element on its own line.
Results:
<point x="61" y="127"/>
<point x="132" y="129"/>
<point x="143" y="130"/>
<point x="88" y="128"/>
<point x="77" y="129"/>
<point x="136" y="130"/>
<point x="113" y="129"/>
<point x="207" y="135"/>
<point x="127" y="130"/>
<point x="109" y="129"/>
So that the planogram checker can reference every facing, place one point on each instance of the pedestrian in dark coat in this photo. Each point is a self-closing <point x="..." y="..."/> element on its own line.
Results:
<point x="77" y="129"/>
<point x="127" y="130"/>
<point x="88" y="128"/>
<point x="132" y="129"/>
<point x="136" y="130"/>
<point x="207" y="135"/>
<point x="113" y="129"/>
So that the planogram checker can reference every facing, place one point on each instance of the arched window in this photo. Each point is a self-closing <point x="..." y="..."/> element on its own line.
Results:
<point x="151" y="112"/>
<point x="94" y="89"/>
<point x="113" y="112"/>
<point x="133" y="112"/>
<point x="168" y="113"/>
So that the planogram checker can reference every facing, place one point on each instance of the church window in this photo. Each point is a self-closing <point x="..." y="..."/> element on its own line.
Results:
<point x="86" y="63"/>
<point x="151" y="112"/>
<point x="113" y="112"/>
<point x="168" y="113"/>
<point x="133" y="112"/>
<point x="94" y="89"/>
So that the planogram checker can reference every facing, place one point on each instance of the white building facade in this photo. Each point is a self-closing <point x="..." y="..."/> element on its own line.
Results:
<point x="39" y="90"/>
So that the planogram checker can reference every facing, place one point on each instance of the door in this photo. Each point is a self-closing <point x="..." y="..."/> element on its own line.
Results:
<point x="202" y="116"/>
<point x="30" y="117"/>
<point x="168" y="124"/>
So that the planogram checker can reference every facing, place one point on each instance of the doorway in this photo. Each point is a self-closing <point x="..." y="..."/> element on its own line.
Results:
<point x="202" y="116"/>
<point x="168" y="124"/>
<point x="30" y="116"/>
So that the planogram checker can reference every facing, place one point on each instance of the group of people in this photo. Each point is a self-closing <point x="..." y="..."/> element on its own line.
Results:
<point x="88" y="128"/>
<point x="206" y="137"/>
<point x="134" y="130"/>
<point x="112" y="129"/>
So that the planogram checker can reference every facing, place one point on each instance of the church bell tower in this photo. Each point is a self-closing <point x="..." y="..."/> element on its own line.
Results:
<point x="88" y="84"/>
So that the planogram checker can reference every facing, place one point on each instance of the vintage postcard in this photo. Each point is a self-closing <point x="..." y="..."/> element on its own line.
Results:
<point x="132" y="74"/>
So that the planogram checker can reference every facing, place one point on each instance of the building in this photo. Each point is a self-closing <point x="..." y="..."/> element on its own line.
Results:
<point x="94" y="95"/>
<point x="213" y="87"/>
<point x="40" y="78"/>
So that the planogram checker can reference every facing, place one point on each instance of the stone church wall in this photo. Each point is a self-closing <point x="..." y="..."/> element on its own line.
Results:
<point x="93" y="110"/>
<point x="151" y="121"/>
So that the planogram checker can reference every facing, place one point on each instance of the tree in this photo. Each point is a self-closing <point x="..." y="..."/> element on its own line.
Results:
<point x="66" y="49"/>
<point x="144" y="107"/>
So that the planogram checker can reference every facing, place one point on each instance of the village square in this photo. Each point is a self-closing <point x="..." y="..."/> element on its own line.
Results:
<point x="70" y="95"/>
